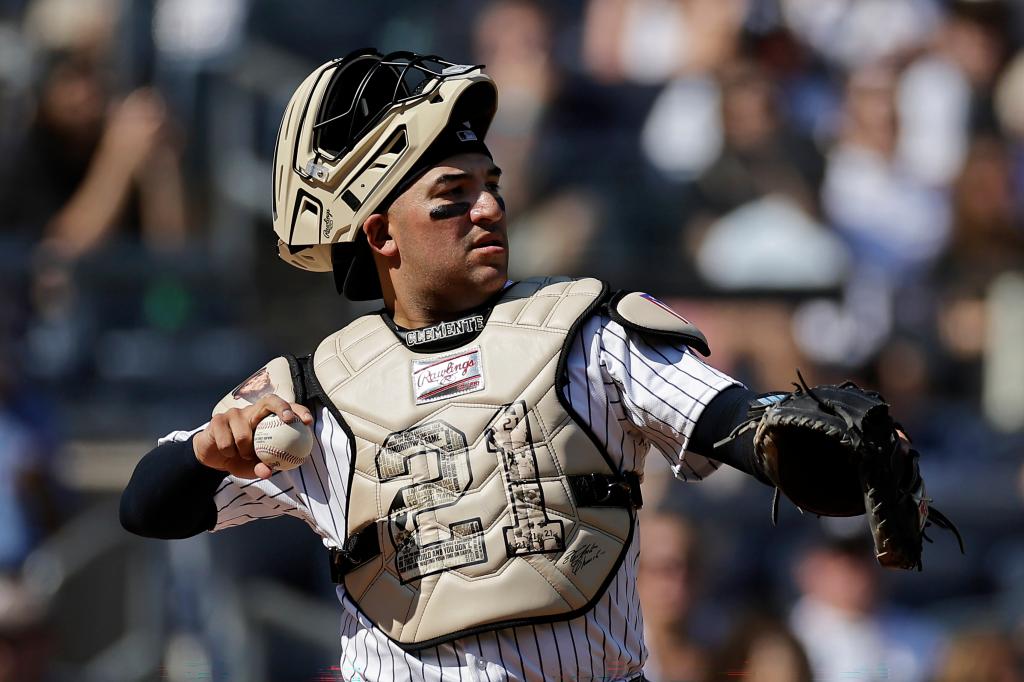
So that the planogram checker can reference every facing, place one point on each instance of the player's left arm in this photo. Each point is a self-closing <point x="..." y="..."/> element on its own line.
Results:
<point x="832" y="450"/>
<point x="655" y="388"/>
<point x="647" y="358"/>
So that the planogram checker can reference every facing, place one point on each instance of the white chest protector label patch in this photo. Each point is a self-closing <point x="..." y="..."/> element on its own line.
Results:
<point x="448" y="376"/>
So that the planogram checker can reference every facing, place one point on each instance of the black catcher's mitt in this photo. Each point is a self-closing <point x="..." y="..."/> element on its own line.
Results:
<point x="836" y="451"/>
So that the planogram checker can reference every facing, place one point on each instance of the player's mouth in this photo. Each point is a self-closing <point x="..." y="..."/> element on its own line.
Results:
<point x="489" y="244"/>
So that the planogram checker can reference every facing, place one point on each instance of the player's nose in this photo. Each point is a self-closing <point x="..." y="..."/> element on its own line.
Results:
<point x="488" y="208"/>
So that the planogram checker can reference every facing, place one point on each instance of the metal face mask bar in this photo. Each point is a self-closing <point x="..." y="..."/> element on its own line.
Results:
<point x="413" y="76"/>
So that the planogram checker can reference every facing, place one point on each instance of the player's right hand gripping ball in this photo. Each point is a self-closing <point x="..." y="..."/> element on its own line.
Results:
<point x="282" y="445"/>
<point x="836" y="451"/>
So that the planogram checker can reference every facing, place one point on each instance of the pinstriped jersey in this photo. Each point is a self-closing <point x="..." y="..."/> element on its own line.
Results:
<point x="637" y="396"/>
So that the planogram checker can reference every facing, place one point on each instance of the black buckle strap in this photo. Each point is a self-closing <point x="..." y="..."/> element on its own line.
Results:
<point x="357" y="550"/>
<point x="601" y="490"/>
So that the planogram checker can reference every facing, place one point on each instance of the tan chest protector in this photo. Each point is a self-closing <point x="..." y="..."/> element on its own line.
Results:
<point x="485" y="503"/>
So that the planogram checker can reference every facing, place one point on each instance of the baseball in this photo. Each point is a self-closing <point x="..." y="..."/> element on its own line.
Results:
<point x="282" y="446"/>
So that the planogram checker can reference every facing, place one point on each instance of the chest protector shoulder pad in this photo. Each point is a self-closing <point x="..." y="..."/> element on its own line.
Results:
<point x="472" y="483"/>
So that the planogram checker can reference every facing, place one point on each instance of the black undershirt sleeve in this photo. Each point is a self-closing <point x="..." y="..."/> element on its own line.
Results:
<point x="170" y="494"/>
<point x="727" y="410"/>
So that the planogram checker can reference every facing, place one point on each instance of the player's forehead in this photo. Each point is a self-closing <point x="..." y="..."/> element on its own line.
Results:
<point x="456" y="167"/>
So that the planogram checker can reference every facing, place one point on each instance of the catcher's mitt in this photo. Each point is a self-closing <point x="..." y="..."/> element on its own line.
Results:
<point x="836" y="451"/>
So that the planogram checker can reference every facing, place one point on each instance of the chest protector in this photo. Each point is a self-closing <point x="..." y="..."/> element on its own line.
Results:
<point x="476" y="501"/>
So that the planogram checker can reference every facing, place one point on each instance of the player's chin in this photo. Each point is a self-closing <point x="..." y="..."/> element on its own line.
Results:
<point x="491" y="258"/>
<point x="490" y="277"/>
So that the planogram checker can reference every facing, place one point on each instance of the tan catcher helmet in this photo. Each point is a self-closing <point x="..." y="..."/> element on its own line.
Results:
<point x="350" y="137"/>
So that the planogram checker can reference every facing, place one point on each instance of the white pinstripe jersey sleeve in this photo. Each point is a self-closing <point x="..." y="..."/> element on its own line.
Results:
<point x="634" y="396"/>
<point x="650" y="393"/>
<point x="302" y="492"/>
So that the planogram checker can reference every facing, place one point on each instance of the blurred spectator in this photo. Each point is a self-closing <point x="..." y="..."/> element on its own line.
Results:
<point x="26" y="640"/>
<point x="1009" y="98"/>
<point x="934" y="99"/>
<point x="514" y="39"/>
<point x="653" y="41"/>
<point x="770" y="244"/>
<point x="946" y="94"/>
<point x="761" y="649"/>
<point x="84" y="27"/>
<point x="29" y="508"/>
<point x="21" y="467"/>
<point x="843" y="623"/>
<point x="977" y="38"/>
<point x="854" y="33"/>
<point x="668" y="580"/>
<point x="760" y="155"/>
<point x="981" y="655"/>
<point x="15" y="83"/>
<point x="760" y="197"/>
<point x="986" y="242"/>
<point x="196" y="31"/>
<point x="892" y="220"/>
<point x="90" y="168"/>
<point x="895" y="224"/>
<point x="535" y="137"/>
<point x="679" y="43"/>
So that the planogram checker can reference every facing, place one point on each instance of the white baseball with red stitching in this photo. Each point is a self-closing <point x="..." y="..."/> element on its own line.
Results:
<point x="282" y="446"/>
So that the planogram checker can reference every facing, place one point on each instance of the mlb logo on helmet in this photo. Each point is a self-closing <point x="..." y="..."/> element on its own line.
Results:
<point x="466" y="135"/>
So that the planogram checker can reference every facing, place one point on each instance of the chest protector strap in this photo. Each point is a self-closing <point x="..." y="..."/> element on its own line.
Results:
<point x="476" y="499"/>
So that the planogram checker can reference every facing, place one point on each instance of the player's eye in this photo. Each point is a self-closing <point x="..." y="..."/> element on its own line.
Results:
<point x="493" y="187"/>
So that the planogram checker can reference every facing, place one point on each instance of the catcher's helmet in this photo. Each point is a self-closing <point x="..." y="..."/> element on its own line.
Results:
<point x="351" y="138"/>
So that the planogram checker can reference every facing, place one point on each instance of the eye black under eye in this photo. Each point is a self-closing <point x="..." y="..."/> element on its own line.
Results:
<point x="446" y="211"/>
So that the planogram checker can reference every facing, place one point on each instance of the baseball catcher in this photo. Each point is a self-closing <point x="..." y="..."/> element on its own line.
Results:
<point x="479" y="442"/>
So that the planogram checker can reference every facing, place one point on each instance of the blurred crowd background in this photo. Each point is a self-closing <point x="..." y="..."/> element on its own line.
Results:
<point x="833" y="185"/>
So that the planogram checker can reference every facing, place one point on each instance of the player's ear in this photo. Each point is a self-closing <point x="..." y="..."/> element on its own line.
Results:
<point x="378" y="235"/>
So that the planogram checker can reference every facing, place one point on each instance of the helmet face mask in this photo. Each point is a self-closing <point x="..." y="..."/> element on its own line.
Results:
<point x="364" y="89"/>
<point x="352" y="130"/>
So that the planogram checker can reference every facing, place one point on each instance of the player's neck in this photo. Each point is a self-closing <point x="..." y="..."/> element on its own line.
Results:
<point x="412" y="312"/>
<point x="412" y="316"/>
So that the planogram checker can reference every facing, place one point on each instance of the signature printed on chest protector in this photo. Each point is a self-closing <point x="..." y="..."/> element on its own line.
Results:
<point x="448" y="376"/>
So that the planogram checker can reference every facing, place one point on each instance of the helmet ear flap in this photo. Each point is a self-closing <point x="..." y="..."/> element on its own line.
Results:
<point x="355" y="274"/>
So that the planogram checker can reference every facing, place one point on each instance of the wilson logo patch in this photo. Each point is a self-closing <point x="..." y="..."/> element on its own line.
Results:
<point x="447" y="377"/>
